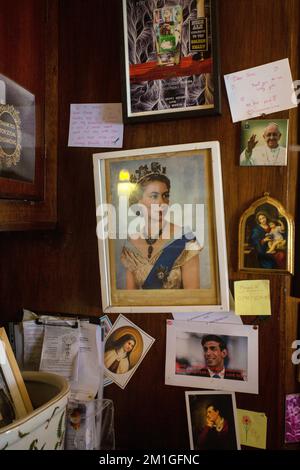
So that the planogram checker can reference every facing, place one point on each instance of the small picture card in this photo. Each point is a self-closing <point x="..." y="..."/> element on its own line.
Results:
<point x="125" y="347"/>
<point x="213" y="356"/>
<point x="252" y="428"/>
<point x="292" y="418"/>
<point x="212" y="420"/>
<point x="260" y="90"/>
<point x="264" y="142"/>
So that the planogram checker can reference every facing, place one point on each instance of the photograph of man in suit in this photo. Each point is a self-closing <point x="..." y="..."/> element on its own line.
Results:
<point x="216" y="358"/>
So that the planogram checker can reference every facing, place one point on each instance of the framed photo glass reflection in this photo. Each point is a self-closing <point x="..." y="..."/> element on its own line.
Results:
<point x="160" y="227"/>
<point x="21" y="159"/>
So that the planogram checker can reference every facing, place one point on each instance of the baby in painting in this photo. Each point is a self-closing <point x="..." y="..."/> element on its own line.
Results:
<point x="277" y="242"/>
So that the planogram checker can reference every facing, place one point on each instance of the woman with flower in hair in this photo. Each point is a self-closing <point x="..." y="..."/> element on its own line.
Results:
<point x="162" y="256"/>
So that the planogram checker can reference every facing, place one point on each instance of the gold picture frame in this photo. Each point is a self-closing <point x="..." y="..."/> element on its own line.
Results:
<point x="194" y="172"/>
<point x="266" y="238"/>
<point x="13" y="379"/>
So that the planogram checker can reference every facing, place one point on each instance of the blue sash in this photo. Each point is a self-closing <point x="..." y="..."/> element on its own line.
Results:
<point x="161" y="269"/>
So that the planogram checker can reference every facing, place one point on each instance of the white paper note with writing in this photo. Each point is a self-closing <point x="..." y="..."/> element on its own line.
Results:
<point x="260" y="90"/>
<point x="96" y="125"/>
<point x="60" y="351"/>
<point x="90" y="368"/>
<point x="209" y="317"/>
<point x="33" y="344"/>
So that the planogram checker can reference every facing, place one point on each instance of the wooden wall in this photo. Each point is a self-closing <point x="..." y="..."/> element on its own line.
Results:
<point x="57" y="271"/>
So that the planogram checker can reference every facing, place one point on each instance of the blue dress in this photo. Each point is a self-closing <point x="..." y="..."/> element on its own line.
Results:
<point x="163" y="269"/>
<point x="266" y="261"/>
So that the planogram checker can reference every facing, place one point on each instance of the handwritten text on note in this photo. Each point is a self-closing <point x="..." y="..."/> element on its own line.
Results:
<point x="96" y="125"/>
<point x="252" y="297"/>
<point x="260" y="90"/>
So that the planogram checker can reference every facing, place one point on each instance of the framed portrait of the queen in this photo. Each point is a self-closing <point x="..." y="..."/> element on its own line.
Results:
<point x="161" y="230"/>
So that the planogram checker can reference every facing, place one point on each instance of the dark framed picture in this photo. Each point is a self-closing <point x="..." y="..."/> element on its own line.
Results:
<point x="266" y="238"/>
<point x="212" y="420"/>
<point x="21" y="158"/>
<point x="161" y="247"/>
<point x="170" y="59"/>
<point x="28" y="116"/>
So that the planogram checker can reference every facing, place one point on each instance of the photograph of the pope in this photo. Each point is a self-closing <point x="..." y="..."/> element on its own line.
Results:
<point x="264" y="142"/>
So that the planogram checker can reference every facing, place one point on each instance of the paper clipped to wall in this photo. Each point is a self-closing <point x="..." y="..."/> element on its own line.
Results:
<point x="96" y="125"/>
<point x="260" y="90"/>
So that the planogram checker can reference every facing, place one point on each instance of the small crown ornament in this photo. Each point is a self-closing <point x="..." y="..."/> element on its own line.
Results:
<point x="162" y="273"/>
<point x="143" y="171"/>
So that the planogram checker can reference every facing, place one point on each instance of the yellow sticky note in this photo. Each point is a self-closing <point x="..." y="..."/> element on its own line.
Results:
<point x="252" y="297"/>
<point x="252" y="428"/>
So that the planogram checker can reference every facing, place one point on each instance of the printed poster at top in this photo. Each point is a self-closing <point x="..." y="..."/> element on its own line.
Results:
<point x="170" y="57"/>
<point x="260" y="90"/>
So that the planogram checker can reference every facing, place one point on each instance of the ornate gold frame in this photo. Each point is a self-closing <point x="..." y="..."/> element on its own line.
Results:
<point x="246" y="250"/>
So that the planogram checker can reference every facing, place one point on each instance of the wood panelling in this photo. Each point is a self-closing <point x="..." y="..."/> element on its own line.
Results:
<point x="58" y="271"/>
<point x="28" y="56"/>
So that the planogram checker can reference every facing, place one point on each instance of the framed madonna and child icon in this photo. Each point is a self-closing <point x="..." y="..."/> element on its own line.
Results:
<point x="266" y="237"/>
<point x="161" y="230"/>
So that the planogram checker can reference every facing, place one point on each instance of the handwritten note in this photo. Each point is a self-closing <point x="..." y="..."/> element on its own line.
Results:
<point x="260" y="90"/>
<point x="252" y="297"/>
<point x="96" y="125"/>
<point x="252" y="428"/>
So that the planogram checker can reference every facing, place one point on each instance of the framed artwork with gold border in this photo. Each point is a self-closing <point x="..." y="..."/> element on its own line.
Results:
<point x="266" y="237"/>
<point x="182" y="265"/>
